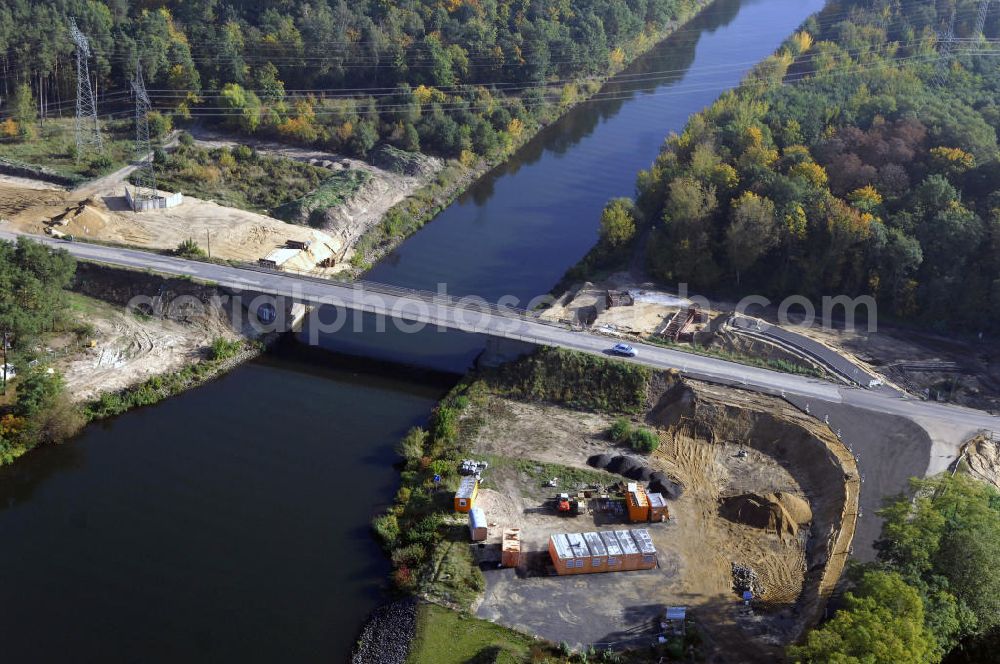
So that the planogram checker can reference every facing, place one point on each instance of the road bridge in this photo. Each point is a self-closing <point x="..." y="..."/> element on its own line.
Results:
<point x="476" y="316"/>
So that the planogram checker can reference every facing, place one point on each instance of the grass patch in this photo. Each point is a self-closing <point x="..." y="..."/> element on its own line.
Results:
<point x="332" y="193"/>
<point x="54" y="151"/>
<point x="240" y="177"/>
<point x="444" y="636"/>
<point x="536" y="474"/>
<point x="578" y="380"/>
<point x="84" y="306"/>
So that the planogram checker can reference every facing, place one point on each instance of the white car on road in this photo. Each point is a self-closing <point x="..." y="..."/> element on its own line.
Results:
<point x="624" y="350"/>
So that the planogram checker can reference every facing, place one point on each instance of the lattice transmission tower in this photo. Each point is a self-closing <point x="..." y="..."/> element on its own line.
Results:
<point x="88" y="130"/>
<point x="946" y="43"/>
<point x="144" y="177"/>
<point x="984" y="8"/>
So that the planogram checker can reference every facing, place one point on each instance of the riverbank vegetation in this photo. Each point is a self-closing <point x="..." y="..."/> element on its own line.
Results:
<point x="854" y="161"/>
<point x="222" y="354"/>
<point x="444" y="636"/>
<point x="46" y="326"/>
<point x="34" y="408"/>
<point x="932" y="592"/>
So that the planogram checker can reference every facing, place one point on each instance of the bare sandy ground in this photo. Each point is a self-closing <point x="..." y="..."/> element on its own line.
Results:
<point x="695" y="548"/>
<point x="129" y="349"/>
<point x="230" y="233"/>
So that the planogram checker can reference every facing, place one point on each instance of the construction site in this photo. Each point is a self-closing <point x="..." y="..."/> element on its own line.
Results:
<point x="741" y="521"/>
<point x="129" y="206"/>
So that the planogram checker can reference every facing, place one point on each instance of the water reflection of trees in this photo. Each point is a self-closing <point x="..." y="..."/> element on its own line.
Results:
<point x="19" y="480"/>
<point x="676" y="55"/>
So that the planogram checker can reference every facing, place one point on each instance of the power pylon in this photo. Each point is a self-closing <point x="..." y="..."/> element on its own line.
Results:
<point x="946" y="42"/>
<point x="984" y="8"/>
<point x="144" y="176"/>
<point x="88" y="131"/>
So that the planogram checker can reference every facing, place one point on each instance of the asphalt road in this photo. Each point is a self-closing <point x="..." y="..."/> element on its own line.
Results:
<point x="468" y="316"/>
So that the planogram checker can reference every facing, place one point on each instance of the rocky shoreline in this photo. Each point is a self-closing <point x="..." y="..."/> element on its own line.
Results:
<point x="386" y="636"/>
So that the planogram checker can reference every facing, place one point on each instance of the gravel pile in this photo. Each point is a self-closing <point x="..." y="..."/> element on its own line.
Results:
<point x="385" y="638"/>
<point x="744" y="578"/>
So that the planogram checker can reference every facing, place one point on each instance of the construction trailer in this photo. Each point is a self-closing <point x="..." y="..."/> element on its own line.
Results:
<point x="614" y="549"/>
<point x="510" y="548"/>
<point x="630" y="552"/>
<point x="657" y="507"/>
<point x="608" y="551"/>
<point x="465" y="496"/>
<point x="569" y="553"/>
<point x="478" y="529"/>
<point x="647" y="550"/>
<point x="598" y="552"/>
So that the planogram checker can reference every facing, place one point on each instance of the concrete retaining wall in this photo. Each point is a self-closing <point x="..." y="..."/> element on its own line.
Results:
<point x="158" y="203"/>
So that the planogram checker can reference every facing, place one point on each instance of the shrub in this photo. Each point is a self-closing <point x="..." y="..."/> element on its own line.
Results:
<point x="644" y="440"/>
<point x="243" y="152"/>
<point x="99" y="164"/>
<point x="60" y="420"/>
<point x="227" y="160"/>
<point x="189" y="249"/>
<point x="411" y="447"/>
<point x="386" y="528"/>
<point x="159" y="124"/>
<point x="223" y="349"/>
<point x="186" y="139"/>
<point x="621" y="430"/>
<point x="159" y="156"/>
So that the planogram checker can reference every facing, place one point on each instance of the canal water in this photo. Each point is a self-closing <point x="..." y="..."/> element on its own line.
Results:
<point x="231" y="523"/>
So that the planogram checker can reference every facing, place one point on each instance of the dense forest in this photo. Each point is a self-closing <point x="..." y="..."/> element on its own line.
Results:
<point x="456" y="77"/>
<point x="859" y="159"/>
<point x="931" y="594"/>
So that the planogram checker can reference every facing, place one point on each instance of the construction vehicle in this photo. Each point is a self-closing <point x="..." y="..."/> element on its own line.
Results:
<point x="567" y="506"/>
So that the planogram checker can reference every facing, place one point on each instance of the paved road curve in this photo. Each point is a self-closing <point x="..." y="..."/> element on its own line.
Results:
<point x="515" y="324"/>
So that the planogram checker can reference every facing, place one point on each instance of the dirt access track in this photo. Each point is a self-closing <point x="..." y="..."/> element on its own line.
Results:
<point x="799" y="560"/>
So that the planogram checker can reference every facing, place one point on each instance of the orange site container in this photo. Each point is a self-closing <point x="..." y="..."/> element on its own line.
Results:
<point x="569" y="553"/>
<point x="638" y="503"/>
<point x="647" y="551"/>
<point x="608" y="551"/>
<point x="510" y="548"/>
<point x="466" y="495"/>
<point x="630" y="552"/>
<point x="598" y="553"/>
<point x="658" y="507"/>
<point x="615" y="561"/>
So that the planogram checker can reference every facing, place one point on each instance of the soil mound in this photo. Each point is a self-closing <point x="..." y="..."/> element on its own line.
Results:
<point x="676" y="403"/>
<point x="768" y="512"/>
<point x="634" y="469"/>
<point x="623" y="465"/>
<point x="797" y="507"/>
<point x="663" y="484"/>
<point x="599" y="461"/>
<point x="982" y="455"/>
<point x="83" y="217"/>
